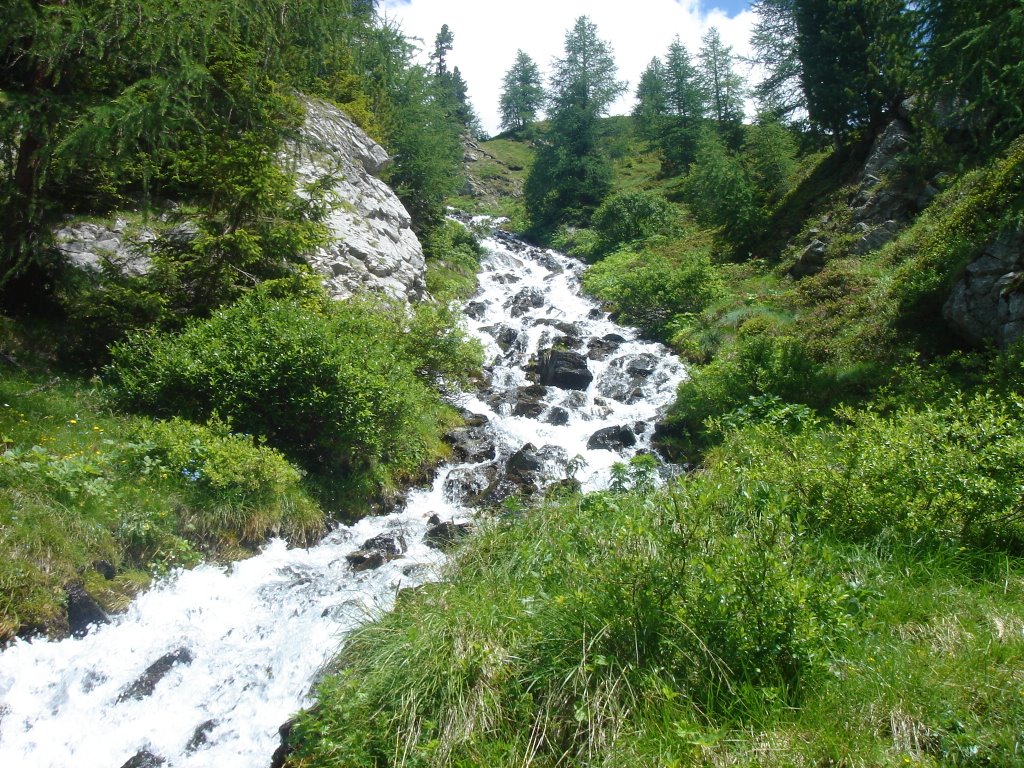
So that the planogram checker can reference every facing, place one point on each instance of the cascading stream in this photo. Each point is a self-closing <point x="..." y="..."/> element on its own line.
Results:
<point x="204" y="667"/>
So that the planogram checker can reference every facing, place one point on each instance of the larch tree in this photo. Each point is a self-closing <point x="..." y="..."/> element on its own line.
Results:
<point x="774" y="40"/>
<point x="721" y="85"/>
<point x="856" y="57"/>
<point x="522" y="95"/>
<point x="572" y="173"/>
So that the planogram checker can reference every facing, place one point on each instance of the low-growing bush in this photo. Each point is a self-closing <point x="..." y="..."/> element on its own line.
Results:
<point x="651" y="287"/>
<point x="237" y="489"/>
<point x="764" y="361"/>
<point x="926" y="477"/>
<point x="341" y="387"/>
<point x="633" y="215"/>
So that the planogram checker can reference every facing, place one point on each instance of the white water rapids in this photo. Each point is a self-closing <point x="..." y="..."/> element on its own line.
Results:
<point x="243" y="644"/>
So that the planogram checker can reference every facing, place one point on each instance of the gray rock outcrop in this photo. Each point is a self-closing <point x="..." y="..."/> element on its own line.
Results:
<point x="374" y="246"/>
<point x="987" y="303"/>
<point x="94" y="245"/>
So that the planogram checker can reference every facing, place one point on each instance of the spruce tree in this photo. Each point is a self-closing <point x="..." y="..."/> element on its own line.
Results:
<point x="651" y="107"/>
<point x="722" y="87"/>
<point x="522" y="95"/>
<point x="572" y="173"/>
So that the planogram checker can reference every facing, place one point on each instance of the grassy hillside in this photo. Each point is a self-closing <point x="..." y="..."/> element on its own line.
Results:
<point x="838" y="581"/>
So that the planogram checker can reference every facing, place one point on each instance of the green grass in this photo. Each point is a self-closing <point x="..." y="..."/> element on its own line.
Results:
<point x="82" y="487"/>
<point x="711" y="623"/>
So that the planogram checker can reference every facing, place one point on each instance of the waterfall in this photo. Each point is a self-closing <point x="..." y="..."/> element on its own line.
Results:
<point x="204" y="667"/>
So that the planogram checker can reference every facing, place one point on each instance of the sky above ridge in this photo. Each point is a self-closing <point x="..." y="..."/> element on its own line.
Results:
<point x="488" y="34"/>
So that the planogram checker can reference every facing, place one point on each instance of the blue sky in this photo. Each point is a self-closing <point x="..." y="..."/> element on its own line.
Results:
<point x="731" y="7"/>
<point x="488" y="34"/>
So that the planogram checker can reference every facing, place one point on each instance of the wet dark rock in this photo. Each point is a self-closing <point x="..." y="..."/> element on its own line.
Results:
<point x="599" y="349"/>
<point x="556" y="416"/>
<point x="144" y="759"/>
<point x="524" y="462"/>
<point x="569" y="329"/>
<point x="529" y="401"/>
<point x="476" y="310"/>
<point x="506" y="337"/>
<point x="567" y="342"/>
<point x="563" y="369"/>
<point x="624" y="378"/>
<point x="612" y="438"/>
<point x="381" y="549"/>
<point x="549" y="262"/>
<point x="285" y="749"/>
<point x="507" y="279"/>
<point x="467" y="484"/>
<point x="155" y="672"/>
<point x="200" y="736"/>
<point x="105" y="569"/>
<point x="83" y="611"/>
<point x="523" y="302"/>
<point x="472" y="443"/>
<point x="443" y="535"/>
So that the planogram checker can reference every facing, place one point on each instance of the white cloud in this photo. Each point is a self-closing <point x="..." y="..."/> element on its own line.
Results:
<point x="487" y="35"/>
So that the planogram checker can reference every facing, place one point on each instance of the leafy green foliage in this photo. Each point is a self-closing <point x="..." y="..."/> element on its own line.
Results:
<point x="340" y="387"/>
<point x="635" y="215"/>
<point x="650" y="287"/>
<point x="80" y="488"/>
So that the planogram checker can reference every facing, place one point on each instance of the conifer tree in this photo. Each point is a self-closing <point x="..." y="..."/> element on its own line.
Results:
<point x="522" y="95"/>
<point x="651" y="102"/>
<point x="780" y="92"/>
<point x="572" y="173"/>
<point x="722" y="87"/>
<point x="443" y="43"/>
<point x="856" y="57"/>
<point x="974" y="68"/>
<point x="685" y="97"/>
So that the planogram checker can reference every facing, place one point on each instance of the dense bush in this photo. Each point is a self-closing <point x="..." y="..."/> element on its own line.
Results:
<point x="236" y="489"/>
<point x="340" y="387"/>
<point x="81" y="488"/>
<point x="925" y="477"/>
<point x="633" y="215"/>
<point x="649" y="288"/>
<point x="764" y="360"/>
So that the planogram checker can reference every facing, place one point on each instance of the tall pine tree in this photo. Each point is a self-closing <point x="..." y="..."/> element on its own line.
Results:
<point x="572" y="174"/>
<point x="522" y="95"/>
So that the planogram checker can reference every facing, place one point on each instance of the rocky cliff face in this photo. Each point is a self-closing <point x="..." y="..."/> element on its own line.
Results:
<point x="987" y="303"/>
<point x="374" y="247"/>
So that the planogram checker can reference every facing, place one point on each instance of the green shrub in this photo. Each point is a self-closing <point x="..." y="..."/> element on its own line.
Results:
<point x="332" y="385"/>
<point x="453" y="259"/>
<point x="650" y="288"/>
<point x="924" y="477"/>
<point x="236" y="489"/>
<point x="633" y="215"/>
<point x="764" y="361"/>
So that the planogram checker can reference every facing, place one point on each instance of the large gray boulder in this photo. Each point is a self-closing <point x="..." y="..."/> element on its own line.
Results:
<point x="374" y="246"/>
<point x="987" y="303"/>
